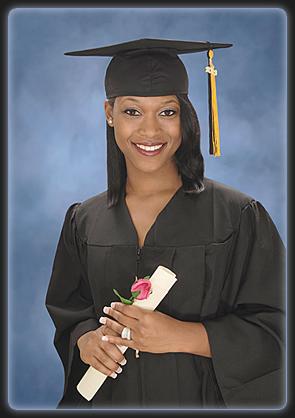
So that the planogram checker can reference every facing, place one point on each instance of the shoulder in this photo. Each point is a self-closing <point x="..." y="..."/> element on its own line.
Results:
<point x="93" y="204"/>
<point x="225" y="194"/>
<point x="226" y="203"/>
<point x="86" y="212"/>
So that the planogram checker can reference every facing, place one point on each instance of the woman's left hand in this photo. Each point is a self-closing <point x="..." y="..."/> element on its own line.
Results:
<point x="151" y="331"/>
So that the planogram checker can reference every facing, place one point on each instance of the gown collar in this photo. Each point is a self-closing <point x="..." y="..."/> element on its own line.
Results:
<point x="114" y="226"/>
<point x="150" y="235"/>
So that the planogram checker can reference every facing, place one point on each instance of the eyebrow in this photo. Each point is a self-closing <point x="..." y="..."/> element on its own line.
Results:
<point x="162" y="103"/>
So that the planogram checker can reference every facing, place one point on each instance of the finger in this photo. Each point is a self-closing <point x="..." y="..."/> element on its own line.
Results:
<point x="113" y="352"/>
<point x="127" y="321"/>
<point x="111" y="324"/>
<point x="98" y="365"/>
<point x="102" y="354"/>
<point x="117" y="353"/>
<point x="119" y="341"/>
<point x="104" y="330"/>
<point x="128" y="310"/>
<point x="98" y="361"/>
<point x="107" y="331"/>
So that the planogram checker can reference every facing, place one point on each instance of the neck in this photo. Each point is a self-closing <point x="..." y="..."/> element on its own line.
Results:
<point x="139" y="183"/>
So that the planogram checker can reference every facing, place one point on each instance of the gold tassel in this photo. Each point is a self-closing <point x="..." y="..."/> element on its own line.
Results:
<point x="214" y="140"/>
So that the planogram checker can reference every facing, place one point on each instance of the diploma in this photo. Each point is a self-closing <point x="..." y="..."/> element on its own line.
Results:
<point x="162" y="280"/>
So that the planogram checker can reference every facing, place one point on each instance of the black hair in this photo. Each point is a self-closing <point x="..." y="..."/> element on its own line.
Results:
<point x="188" y="157"/>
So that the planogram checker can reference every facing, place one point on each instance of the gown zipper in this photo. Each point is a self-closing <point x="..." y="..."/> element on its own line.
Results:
<point x="138" y="256"/>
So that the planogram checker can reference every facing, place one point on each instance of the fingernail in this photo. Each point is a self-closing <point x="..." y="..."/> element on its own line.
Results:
<point x="102" y="320"/>
<point x="123" y="362"/>
<point x="119" y="370"/>
<point x="113" y="305"/>
<point x="114" y="375"/>
<point x="106" y="309"/>
<point x="104" y="338"/>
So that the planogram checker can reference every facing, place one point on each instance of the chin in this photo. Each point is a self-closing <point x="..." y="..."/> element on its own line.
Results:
<point x="148" y="170"/>
<point x="149" y="167"/>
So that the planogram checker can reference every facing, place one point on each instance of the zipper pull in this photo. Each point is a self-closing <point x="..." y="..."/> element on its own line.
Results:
<point x="138" y="253"/>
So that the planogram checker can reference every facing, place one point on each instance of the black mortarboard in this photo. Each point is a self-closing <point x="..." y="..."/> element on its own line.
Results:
<point x="151" y="67"/>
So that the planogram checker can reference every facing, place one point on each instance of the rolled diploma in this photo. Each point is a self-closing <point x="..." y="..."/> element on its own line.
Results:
<point x="162" y="280"/>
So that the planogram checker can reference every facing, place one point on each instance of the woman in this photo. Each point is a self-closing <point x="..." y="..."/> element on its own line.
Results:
<point x="216" y="339"/>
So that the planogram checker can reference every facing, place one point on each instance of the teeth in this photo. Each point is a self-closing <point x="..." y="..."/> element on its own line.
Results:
<point x="147" y="148"/>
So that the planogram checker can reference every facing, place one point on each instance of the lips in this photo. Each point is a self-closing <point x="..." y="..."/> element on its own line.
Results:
<point x="148" y="148"/>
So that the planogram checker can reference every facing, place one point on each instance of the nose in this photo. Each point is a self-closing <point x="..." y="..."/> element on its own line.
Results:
<point x="149" y="126"/>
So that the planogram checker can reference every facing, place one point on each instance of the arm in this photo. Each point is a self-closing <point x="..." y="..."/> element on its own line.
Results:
<point x="69" y="299"/>
<point x="246" y="336"/>
<point x="191" y="337"/>
<point x="70" y="304"/>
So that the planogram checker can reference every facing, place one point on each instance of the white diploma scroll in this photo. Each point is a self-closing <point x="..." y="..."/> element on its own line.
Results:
<point x="162" y="280"/>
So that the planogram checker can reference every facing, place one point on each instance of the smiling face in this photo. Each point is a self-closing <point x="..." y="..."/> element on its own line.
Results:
<point x="147" y="130"/>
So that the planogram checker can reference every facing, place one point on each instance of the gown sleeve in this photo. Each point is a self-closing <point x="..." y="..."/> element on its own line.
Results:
<point x="247" y="338"/>
<point x="70" y="303"/>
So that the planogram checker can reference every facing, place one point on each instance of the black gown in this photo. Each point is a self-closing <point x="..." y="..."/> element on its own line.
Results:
<point x="230" y="264"/>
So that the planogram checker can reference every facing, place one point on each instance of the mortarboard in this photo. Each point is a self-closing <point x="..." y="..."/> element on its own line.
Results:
<point x="151" y="67"/>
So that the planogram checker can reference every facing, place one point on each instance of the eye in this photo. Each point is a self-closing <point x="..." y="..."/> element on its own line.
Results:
<point x="131" y="112"/>
<point x="168" y="112"/>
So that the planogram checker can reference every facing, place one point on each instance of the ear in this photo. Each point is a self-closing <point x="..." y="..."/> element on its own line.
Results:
<point x="108" y="109"/>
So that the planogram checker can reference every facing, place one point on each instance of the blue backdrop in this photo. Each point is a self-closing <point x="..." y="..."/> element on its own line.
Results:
<point x="57" y="146"/>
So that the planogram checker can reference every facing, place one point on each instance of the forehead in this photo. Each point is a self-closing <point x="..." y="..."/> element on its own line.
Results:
<point x="147" y="100"/>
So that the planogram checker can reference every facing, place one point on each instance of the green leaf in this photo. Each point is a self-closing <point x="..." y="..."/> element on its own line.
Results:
<point x="147" y="277"/>
<point x="126" y="301"/>
<point x="135" y="294"/>
<point x="123" y="300"/>
<point x="116" y="292"/>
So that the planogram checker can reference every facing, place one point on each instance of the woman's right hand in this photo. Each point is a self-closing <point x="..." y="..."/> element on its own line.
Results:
<point x="102" y="355"/>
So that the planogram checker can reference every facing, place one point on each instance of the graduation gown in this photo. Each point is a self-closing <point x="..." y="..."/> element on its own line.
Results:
<point x="230" y="264"/>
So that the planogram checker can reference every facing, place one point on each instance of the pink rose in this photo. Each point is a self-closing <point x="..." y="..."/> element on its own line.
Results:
<point x="140" y="289"/>
<point x="142" y="285"/>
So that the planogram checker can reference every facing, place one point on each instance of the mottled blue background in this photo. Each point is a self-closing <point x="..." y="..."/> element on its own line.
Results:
<point x="57" y="151"/>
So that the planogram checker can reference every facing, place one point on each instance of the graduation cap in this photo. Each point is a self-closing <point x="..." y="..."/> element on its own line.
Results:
<point x="151" y="67"/>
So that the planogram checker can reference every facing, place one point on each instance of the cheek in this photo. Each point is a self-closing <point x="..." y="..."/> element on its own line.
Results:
<point x="122" y="133"/>
<point x="173" y="127"/>
<point x="176" y="135"/>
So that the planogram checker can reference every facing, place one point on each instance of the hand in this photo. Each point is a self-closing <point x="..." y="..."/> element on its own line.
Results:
<point x="151" y="331"/>
<point x="103" y="356"/>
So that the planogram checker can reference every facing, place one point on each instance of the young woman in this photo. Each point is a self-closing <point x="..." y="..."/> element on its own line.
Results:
<point x="216" y="340"/>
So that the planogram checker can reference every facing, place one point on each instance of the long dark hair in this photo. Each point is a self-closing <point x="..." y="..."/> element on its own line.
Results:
<point x="188" y="157"/>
